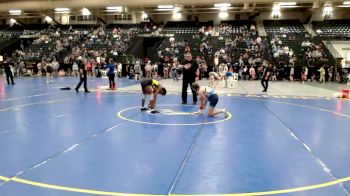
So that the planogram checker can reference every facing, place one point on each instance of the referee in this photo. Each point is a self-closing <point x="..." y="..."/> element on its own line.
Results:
<point x="83" y="76"/>
<point x="190" y="74"/>
<point x="9" y="75"/>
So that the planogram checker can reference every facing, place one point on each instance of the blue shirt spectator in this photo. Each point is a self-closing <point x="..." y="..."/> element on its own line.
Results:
<point x="111" y="68"/>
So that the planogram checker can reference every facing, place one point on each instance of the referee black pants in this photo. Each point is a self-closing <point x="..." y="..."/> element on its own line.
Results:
<point x="82" y="80"/>
<point x="9" y="76"/>
<point x="185" y="84"/>
<point x="265" y="83"/>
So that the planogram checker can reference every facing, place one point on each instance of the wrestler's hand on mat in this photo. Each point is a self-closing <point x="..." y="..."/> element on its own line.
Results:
<point x="199" y="112"/>
<point x="155" y="112"/>
<point x="152" y="104"/>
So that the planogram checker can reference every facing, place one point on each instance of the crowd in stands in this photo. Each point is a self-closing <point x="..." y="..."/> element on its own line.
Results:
<point x="282" y="54"/>
<point x="228" y="29"/>
<point x="198" y="41"/>
<point x="238" y="48"/>
<point x="105" y="43"/>
<point x="50" y="43"/>
<point x="314" y="53"/>
<point x="242" y="49"/>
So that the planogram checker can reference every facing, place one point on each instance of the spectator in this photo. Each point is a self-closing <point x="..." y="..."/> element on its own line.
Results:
<point x="322" y="74"/>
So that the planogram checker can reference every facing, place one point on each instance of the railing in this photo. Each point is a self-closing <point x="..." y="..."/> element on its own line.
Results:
<point x="332" y="49"/>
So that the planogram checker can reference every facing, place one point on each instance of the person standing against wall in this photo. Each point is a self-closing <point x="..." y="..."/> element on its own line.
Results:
<point x="190" y="74"/>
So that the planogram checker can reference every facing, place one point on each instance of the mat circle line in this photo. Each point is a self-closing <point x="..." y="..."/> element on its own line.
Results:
<point x="119" y="115"/>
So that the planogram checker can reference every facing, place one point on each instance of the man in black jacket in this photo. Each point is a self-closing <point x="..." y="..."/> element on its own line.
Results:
<point x="190" y="73"/>
<point x="83" y="76"/>
<point x="9" y="75"/>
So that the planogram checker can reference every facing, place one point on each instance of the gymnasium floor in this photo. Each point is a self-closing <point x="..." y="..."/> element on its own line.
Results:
<point x="63" y="143"/>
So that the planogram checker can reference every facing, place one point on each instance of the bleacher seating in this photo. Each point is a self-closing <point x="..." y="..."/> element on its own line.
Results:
<point x="142" y="28"/>
<point x="332" y="29"/>
<point x="190" y="35"/>
<point x="236" y="38"/>
<point x="117" y="38"/>
<point x="52" y="41"/>
<point x="236" y="27"/>
<point x="280" y="27"/>
<point x="292" y="34"/>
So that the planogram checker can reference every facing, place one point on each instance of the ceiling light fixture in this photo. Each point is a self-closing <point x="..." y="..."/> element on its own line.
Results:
<point x="287" y="3"/>
<point x="219" y="5"/>
<point x="85" y="12"/>
<point x="165" y="6"/>
<point x="114" y="7"/>
<point x="62" y="9"/>
<point x="15" y="12"/>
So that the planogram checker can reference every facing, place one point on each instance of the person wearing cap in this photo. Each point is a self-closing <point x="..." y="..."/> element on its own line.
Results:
<point x="152" y="88"/>
<point x="83" y="76"/>
<point x="207" y="94"/>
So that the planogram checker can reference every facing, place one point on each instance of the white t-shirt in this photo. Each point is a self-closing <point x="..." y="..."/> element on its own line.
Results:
<point x="216" y="61"/>
<point x="55" y="65"/>
<point x="75" y="67"/>
<point x="291" y="71"/>
<point x="137" y="68"/>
